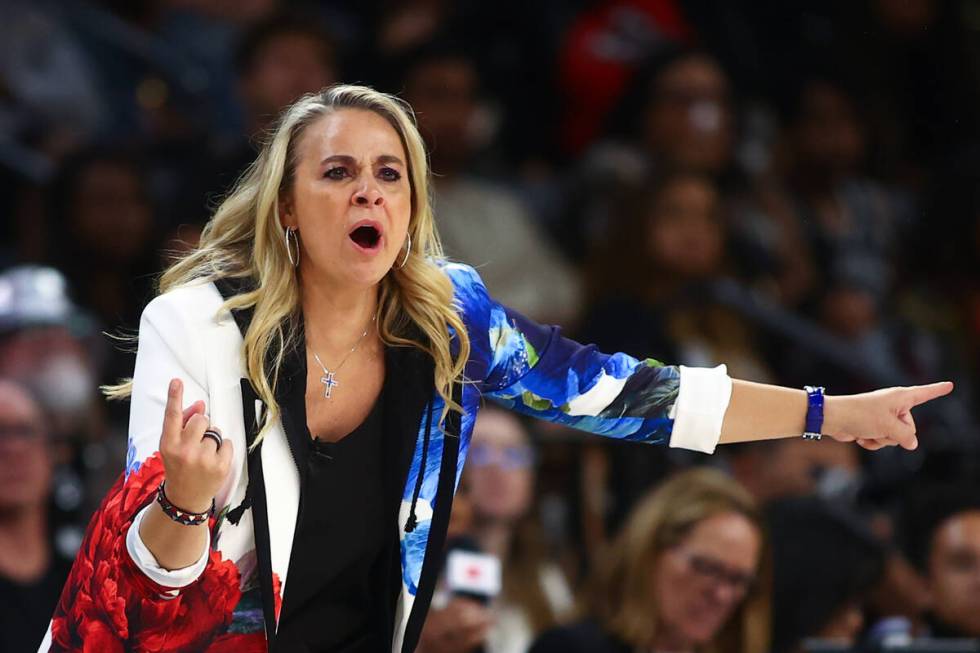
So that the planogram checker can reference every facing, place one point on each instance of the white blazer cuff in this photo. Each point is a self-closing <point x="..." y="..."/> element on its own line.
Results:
<point x="702" y="400"/>
<point x="147" y="562"/>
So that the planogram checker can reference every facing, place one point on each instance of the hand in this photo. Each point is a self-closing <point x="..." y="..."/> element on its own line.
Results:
<point x="194" y="466"/>
<point x="457" y="628"/>
<point x="882" y="418"/>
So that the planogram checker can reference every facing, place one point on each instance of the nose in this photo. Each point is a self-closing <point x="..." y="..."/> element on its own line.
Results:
<point x="724" y="594"/>
<point x="367" y="196"/>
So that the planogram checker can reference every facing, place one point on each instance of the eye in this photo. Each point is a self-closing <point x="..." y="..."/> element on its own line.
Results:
<point x="389" y="174"/>
<point x="336" y="173"/>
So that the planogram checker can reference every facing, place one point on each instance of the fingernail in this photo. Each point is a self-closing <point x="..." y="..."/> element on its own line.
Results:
<point x="173" y="386"/>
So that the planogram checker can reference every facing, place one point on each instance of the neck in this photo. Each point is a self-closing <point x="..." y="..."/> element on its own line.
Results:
<point x="336" y="317"/>
<point x="24" y="551"/>
<point x="494" y="537"/>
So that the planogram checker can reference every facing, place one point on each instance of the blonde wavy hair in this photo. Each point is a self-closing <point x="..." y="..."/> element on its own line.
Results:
<point x="621" y="596"/>
<point x="244" y="238"/>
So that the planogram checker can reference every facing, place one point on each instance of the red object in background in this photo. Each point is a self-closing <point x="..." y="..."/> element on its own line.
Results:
<point x="600" y="54"/>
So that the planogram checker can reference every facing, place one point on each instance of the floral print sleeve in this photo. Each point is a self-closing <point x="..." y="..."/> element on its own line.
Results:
<point x="109" y="602"/>
<point x="534" y="370"/>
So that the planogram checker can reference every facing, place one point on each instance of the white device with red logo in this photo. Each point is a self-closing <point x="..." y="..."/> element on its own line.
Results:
<point x="473" y="574"/>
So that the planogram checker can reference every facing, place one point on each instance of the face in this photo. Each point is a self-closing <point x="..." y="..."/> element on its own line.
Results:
<point x="849" y="312"/>
<point x="56" y="366"/>
<point x="689" y="118"/>
<point x="796" y="467"/>
<point x="685" y="235"/>
<point x="500" y="474"/>
<point x="25" y="466"/>
<point x="954" y="572"/>
<point x="829" y="137"/>
<point x="443" y="93"/>
<point x="111" y="215"/>
<point x="351" y="200"/>
<point x="700" y="582"/>
<point x="287" y="66"/>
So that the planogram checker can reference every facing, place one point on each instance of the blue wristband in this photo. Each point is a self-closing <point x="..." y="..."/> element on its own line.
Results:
<point x="814" y="412"/>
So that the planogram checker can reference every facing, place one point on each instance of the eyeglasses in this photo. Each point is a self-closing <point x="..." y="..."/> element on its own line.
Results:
<point x="718" y="572"/>
<point x="509" y="457"/>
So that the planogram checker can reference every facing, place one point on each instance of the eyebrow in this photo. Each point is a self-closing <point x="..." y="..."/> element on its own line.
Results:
<point x="349" y="160"/>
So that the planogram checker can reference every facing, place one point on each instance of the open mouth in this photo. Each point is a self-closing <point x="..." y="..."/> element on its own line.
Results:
<point x="366" y="236"/>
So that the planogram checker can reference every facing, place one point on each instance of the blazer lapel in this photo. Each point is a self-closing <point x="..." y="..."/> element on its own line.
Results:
<point x="273" y="458"/>
<point x="408" y="388"/>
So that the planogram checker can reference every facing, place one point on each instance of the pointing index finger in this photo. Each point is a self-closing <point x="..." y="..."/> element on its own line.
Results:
<point x="923" y="393"/>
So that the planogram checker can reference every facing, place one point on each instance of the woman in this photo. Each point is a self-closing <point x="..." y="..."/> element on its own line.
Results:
<point x="345" y="321"/>
<point x="649" y="278"/>
<point x="534" y="593"/>
<point x="688" y="572"/>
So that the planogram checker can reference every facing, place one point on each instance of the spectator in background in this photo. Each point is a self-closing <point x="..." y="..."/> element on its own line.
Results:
<point x="44" y="345"/>
<point x="688" y="571"/>
<point x="816" y="595"/>
<point x="650" y="280"/>
<point x="818" y="205"/>
<point x="31" y="571"/>
<point x="796" y="468"/>
<point x="941" y="534"/>
<point x="499" y="486"/>
<point x="650" y="275"/>
<point x="681" y="109"/>
<point x="482" y="223"/>
<point x="49" y="346"/>
<point x="277" y="59"/>
<point x="105" y="236"/>
<point x="851" y="223"/>
<point x="677" y="117"/>
<point x="601" y="51"/>
<point x="51" y="102"/>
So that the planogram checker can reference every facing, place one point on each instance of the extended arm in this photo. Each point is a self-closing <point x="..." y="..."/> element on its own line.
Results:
<point x="874" y="419"/>
<point x="532" y="369"/>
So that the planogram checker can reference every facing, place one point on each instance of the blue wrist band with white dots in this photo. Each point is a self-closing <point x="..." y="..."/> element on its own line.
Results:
<point x="814" y="412"/>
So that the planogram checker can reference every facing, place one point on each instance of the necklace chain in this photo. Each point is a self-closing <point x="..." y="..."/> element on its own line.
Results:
<point x="328" y="379"/>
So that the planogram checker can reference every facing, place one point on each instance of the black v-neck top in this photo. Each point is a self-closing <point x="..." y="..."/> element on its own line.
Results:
<point x="408" y="385"/>
<point x="331" y="602"/>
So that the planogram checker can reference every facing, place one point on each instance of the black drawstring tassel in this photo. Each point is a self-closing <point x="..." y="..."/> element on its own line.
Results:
<point x="235" y="514"/>
<point x="412" y="520"/>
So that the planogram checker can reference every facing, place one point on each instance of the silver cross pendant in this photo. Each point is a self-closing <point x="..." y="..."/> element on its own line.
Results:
<point x="328" y="381"/>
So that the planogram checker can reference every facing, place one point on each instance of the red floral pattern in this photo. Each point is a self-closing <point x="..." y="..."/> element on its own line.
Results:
<point x="109" y="605"/>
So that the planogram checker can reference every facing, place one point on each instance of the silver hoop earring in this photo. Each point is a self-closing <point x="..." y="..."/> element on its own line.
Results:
<point x="408" y="250"/>
<point x="289" y="251"/>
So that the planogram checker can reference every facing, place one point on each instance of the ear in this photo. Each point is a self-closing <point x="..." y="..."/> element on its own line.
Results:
<point x="287" y="215"/>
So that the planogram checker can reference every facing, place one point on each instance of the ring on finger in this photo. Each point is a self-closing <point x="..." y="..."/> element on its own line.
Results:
<point x="214" y="435"/>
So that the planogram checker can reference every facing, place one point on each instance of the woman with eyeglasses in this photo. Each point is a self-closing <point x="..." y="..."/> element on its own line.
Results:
<point x="499" y="483"/>
<point x="689" y="571"/>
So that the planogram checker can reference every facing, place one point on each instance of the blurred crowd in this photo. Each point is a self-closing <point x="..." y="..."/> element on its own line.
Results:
<point x="792" y="189"/>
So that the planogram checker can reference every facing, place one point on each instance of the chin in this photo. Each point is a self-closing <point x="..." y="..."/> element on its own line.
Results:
<point x="366" y="274"/>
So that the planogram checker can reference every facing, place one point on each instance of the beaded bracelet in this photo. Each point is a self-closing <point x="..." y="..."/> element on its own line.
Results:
<point x="182" y="516"/>
<point x="814" y="412"/>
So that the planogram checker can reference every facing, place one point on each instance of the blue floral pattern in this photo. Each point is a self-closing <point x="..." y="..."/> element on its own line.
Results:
<point x="532" y="369"/>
